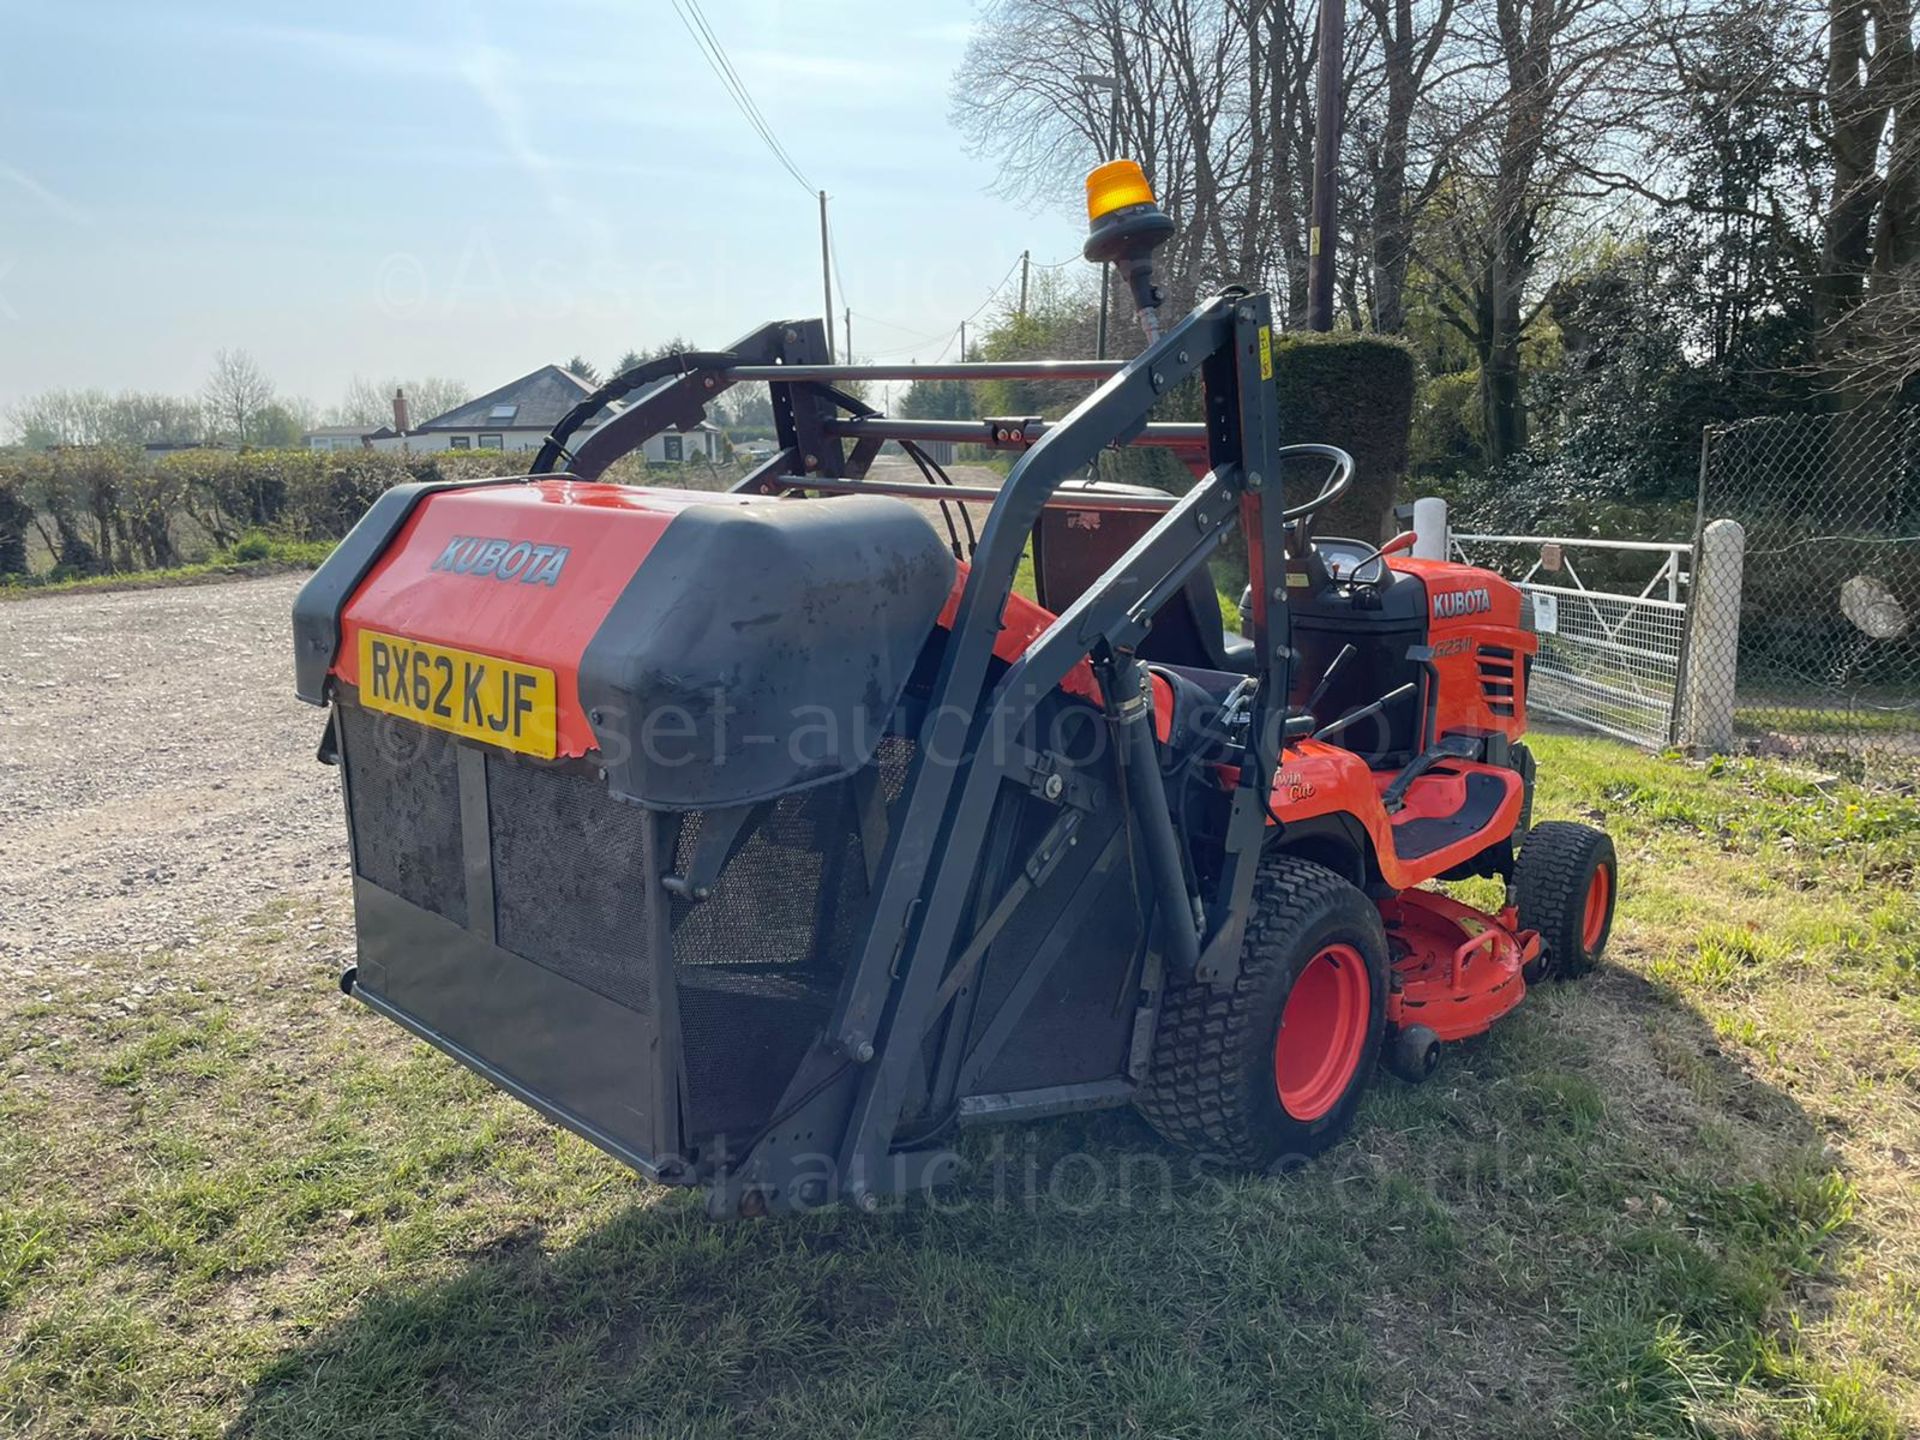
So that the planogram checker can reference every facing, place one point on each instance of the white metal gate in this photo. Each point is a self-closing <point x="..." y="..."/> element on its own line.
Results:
<point x="1610" y="659"/>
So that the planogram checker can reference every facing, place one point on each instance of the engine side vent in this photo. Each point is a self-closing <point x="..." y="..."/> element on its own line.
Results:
<point x="1498" y="679"/>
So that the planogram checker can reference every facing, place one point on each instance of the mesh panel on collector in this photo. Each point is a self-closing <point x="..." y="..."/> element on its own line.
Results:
<point x="404" y="803"/>
<point x="757" y="966"/>
<point x="1076" y="1026"/>
<point x="573" y="879"/>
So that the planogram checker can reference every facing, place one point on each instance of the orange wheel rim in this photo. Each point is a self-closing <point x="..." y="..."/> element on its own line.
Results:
<point x="1594" y="923"/>
<point x="1323" y="1031"/>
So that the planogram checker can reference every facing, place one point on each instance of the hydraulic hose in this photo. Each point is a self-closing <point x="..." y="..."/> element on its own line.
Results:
<point x="554" y="448"/>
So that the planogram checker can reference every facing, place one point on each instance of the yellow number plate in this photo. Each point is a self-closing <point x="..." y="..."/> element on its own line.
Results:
<point x="479" y="696"/>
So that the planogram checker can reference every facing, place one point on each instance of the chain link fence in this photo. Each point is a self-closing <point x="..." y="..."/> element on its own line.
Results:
<point x="1824" y="566"/>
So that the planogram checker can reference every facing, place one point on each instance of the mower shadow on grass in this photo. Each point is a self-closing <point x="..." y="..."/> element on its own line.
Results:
<point x="1587" y="1223"/>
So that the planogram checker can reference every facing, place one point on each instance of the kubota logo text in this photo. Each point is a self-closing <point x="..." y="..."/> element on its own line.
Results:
<point x="503" y="559"/>
<point x="1449" y="603"/>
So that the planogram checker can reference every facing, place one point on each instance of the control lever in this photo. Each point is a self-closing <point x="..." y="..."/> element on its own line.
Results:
<point x="1367" y="712"/>
<point x="1237" y="700"/>
<point x="1232" y="714"/>
<point x="1347" y="652"/>
<point x="1298" y="725"/>
<point x="1399" y="543"/>
<point x="1447" y="747"/>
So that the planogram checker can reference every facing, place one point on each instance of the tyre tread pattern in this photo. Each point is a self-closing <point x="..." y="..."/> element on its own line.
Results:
<point x="1551" y="880"/>
<point x="1196" y="1095"/>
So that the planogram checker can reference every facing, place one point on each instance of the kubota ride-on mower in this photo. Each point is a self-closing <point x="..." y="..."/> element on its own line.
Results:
<point x="763" y="838"/>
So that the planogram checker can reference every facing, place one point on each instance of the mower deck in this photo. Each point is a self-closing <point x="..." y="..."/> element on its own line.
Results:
<point x="1456" y="969"/>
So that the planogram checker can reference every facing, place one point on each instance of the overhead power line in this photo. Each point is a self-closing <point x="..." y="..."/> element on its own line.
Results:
<point x="914" y="347"/>
<point x="715" y="55"/>
<point x="1000" y="285"/>
<point x="949" y="337"/>
<point x="920" y="337"/>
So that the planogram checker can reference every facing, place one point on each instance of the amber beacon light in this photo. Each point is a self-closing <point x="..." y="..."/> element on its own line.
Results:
<point x="1124" y="227"/>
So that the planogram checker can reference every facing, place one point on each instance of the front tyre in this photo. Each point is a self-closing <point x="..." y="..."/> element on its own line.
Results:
<point x="1567" y="881"/>
<point x="1273" y="1069"/>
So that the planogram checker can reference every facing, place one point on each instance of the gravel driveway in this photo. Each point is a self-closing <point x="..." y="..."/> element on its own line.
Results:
<point x="156" y="773"/>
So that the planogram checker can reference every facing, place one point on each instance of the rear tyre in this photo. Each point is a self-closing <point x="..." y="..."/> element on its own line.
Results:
<point x="1567" y="881"/>
<point x="1271" y="1071"/>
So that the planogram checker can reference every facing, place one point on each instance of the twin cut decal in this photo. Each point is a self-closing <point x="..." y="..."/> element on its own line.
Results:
<point x="504" y="560"/>
<point x="1449" y="603"/>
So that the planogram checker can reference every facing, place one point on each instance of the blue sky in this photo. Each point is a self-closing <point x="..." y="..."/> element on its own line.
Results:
<point x="471" y="189"/>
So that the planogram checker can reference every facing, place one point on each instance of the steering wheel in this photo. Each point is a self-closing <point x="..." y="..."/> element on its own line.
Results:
<point x="1299" y="518"/>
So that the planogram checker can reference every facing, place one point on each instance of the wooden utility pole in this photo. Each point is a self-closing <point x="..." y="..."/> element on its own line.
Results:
<point x="826" y="275"/>
<point x="963" y="342"/>
<point x="1328" y="108"/>
<point x="1025" y="257"/>
<point x="847" y="314"/>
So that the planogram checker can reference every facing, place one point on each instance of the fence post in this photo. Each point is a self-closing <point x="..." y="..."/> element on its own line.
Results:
<point x="1430" y="528"/>
<point x="1713" y="639"/>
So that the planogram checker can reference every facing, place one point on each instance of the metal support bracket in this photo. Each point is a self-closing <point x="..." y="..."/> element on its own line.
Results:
<point x="721" y="833"/>
<point x="1057" y="783"/>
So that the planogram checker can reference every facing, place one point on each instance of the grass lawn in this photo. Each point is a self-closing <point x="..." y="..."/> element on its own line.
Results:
<point x="256" y="553"/>
<point x="1681" y="1197"/>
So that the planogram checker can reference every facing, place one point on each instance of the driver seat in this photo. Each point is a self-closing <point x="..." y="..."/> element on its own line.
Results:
<point x="1073" y="548"/>
<point x="1190" y="624"/>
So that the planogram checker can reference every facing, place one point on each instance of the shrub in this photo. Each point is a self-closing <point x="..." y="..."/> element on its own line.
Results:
<point x="102" y="510"/>
<point x="1354" y="391"/>
<point x="251" y="546"/>
<point x="15" y="516"/>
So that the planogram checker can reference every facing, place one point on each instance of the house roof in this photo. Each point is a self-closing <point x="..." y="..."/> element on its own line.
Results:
<point x="355" y="431"/>
<point x="533" y="402"/>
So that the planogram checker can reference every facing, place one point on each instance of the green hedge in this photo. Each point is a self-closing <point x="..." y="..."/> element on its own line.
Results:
<point x="102" y="511"/>
<point x="1354" y="391"/>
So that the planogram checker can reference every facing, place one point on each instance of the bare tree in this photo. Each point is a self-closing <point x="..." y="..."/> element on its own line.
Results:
<point x="149" y="418"/>
<point x="370" y="402"/>
<point x="1543" y="133"/>
<point x="237" y="394"/>
<point x="60" y="417"/>
<point x="1866" y="295"/>
<point x="1217" y="101"/>
<point x="1411" y="38"/>
<point x="1213" y="99"/>
<point x="92" y="417"/>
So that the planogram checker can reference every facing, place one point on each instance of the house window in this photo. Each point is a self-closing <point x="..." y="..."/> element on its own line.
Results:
<point x="503" y="414"/>
<point x="460" y="442"/>
<point x="491" y="442"/>
<point x="670" y="448"/>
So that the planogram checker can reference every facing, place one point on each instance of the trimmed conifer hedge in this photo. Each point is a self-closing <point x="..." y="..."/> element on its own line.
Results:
<point x="1357" y="392"/>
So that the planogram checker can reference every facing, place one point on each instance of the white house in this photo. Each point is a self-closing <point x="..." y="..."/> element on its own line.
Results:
<point x="346" y="437"/>
<point x="520" y="416"/>
<point x="701" y="441"/>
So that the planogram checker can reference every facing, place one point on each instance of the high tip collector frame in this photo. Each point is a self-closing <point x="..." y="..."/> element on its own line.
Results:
<point x="836" y="1133"/>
